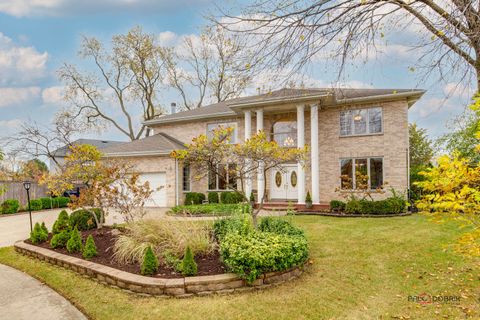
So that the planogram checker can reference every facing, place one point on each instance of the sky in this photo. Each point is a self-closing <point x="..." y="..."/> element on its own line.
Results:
<point x="38" y="36"/>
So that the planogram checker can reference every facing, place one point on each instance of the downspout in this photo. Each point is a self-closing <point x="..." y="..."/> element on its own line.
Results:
<point x="176" y="182"/>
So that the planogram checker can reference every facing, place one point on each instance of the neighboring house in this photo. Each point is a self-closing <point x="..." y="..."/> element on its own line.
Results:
<point x="349" y="131"/>
<point x="61" y="153"/>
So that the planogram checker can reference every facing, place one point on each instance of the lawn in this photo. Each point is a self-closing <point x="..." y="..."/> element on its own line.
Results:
<point x="361" y="269"/>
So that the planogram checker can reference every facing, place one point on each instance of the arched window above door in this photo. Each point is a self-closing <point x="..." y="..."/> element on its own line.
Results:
<point x="285" y="133"/>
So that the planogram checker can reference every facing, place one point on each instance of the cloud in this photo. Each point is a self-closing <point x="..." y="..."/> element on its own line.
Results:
<point x="16" y="96"/>
<point x="11" y="124"/>
<point x="53" y="95"/>
<point x="168" y="38"/>
<point x="27" y="8"/>
<point x="20" y="65"/>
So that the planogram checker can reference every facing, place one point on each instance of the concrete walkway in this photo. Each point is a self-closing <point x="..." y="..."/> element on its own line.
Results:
<point x="22" y="297"/>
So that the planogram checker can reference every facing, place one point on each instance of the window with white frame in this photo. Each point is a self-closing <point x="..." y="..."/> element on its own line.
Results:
<point x="186" y="178"/>
<point x="212" y="126"/>
<point x="361" y="121"/>
<point x="361" y="173"/>
<point x="223" y="178"/>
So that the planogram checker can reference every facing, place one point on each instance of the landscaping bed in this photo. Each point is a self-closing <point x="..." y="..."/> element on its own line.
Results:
<point x="353" y="215"/>
<point x="208" y="264"/>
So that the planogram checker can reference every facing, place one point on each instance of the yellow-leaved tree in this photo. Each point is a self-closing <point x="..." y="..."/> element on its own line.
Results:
<point x="452" y="192"/>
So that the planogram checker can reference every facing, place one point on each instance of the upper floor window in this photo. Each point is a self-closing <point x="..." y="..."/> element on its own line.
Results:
<point x="361" y="121"/>
<point x="285" y="133"/>
<point x="213" y="126"/>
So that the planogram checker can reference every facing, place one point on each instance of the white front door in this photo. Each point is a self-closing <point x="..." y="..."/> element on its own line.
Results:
<point x="284" y="183"/>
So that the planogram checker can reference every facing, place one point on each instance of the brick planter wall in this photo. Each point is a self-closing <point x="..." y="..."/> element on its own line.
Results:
<point x="180" y="287"/>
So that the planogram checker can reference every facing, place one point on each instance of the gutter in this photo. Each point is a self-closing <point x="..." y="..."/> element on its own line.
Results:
<point x="279" y="99"/>
<point x="224" y="114"/>
<point x="400" y="95"/>
<point x="136" y="154"/>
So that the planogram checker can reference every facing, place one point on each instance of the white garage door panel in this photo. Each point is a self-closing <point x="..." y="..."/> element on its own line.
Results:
<point x="156" y="180"/>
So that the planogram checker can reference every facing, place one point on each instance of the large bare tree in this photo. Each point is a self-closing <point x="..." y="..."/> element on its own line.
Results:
<point x="126" y="82"/>
<point x="294" y="32"/>
<point x="208" y="68"/>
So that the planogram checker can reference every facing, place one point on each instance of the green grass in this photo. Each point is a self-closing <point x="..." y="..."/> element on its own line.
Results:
<point x="362" y="269"/>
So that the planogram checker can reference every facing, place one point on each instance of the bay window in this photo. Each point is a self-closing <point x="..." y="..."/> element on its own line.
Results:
<point x="361" y="173"/>
<point x="361" y="121"/>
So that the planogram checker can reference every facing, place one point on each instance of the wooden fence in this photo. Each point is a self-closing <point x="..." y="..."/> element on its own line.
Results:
<point x="15" y="190"/>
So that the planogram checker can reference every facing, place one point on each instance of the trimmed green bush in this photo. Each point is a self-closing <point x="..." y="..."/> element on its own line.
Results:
<point x="35" y="205"/>
<point x="353" y="206"/>
<point x="84" y="219"/>
<point x="238" y="224"/>
<point x="74" y="244"/>
<point x="279" y="226"/>
<point x="90" y="249"/>
<point x="62" y="202"/>
<point x="9" y="206"/>
<point x="44" y="228"/>
<point x="308" y="198"/>
<point x="194" y="198"/>
<point x="229" y="197"/>
<point x="213" y="197"/>
<point x="62" y="223"/>
<point x="188" y="266"/>
<point x="391" y="205"/>
<point x="47" y="203"/>
<point x="252" y="197"/>
<point x="251" y="255"/>
<point x="38" y="235"/>
<point x="60" y="240"/>
<point x="213" y="209"/>
<point x="337" y="205"/>
<point x="150" y="263"/>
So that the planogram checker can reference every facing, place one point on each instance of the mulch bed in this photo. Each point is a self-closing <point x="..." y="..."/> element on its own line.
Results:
<point x="344" y="215"/>
<point x="104" y="240"/>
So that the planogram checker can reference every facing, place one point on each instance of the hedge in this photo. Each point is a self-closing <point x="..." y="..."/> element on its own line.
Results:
<point x="279" y="226"/>
<point x="35" y="205"/>
<point x="391" y="205"/>
<point x="192" y="198"/>
<point x="213" y="197"/>
<point x="209" y="209"/>
<point x="337" y="205"/>
<point x="9" y="206"/>
<point x="229" y="197"/>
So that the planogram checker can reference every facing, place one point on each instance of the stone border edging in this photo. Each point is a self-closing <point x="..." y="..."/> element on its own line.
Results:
<point x="339" y="215"/>
<point x="179" y="287"/>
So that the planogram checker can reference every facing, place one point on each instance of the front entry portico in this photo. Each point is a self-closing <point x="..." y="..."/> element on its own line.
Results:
<point x="284" y="183"/>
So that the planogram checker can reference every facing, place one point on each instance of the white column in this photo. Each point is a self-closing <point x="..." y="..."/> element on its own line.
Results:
<point x="260" y="181"/>
<point x="314" y="154"/>
<point x="248" y="133"/>
<point x="301" y="144"/>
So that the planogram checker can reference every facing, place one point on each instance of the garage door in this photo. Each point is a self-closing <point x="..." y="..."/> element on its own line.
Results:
<point x="158" y="183"/>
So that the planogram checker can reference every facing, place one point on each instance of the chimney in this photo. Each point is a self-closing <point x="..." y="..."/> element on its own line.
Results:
<point x="173" y="108"/>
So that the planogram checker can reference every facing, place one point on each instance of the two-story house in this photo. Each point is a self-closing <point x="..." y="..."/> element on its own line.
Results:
<point x="349" y="131"/>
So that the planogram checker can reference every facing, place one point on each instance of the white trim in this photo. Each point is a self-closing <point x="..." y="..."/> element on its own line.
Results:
<point x="314" y="155"/>
<point x="262" y="102"/>
<point x="224" y="114"/>
<point x="300" y="144"/>
<point x="368" y="133"/>
<point x="136" y="154"/>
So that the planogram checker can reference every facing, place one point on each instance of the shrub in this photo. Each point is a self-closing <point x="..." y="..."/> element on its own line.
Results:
<point x="213" y="197"/>
<point x="337" y="205"/>
<point x="194" y="198"/>
<point x="38" y="235"/>
<point x="188" y="266"/>
<point x="90" y="249"/>
<point x="252" y="197"/>
<point x="47" y="203"/>
<point x="84" y="219"/>
<point x="352" y="206"/>
<point x="279" y="226"/>
<point x="9" y="206"/>
<point x="241" y="224"/>
<point x="35" y="205"/>
<point x="60" y="240"/>
<point x="62" y="223"/>
<point x="213" y="209"/>
<point x="259" y="252"/>
<point x="150" y="263"/>
<point x="308" y="198"/>
<point x="391" y="205"/>
<point x="44" y="228"/>
<point x="162" y="236"/>
<point x="74" y="244"/>
<point x="231" y="197"/>
<point x="62" y="202"/>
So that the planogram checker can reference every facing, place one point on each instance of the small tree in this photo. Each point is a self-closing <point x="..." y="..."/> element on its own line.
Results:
<point x="188" y="266"/>
<point x="256" y="155"/>
<point x="74" y="244"/>
<point x="108" y="184"/>
<point x="90" y="249"/>
<point x="150" y="263"/>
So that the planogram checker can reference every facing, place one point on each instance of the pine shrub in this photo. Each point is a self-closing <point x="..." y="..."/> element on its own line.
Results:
<point x="189" y="266"/>
<point x="60" y="240"/>
<point x="44" y="228"/>
<point x="74" y="244"/>
<point x="38" y="235"/>
<point x="90" y="249"/>
<point x="150" y="263"/>
<point x="62" y="223"/>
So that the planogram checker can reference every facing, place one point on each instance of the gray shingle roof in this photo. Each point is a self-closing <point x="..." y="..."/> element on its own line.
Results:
<point x="160" y="143"/>
<point x="225" y="109"/>
<point x="99" y="144"/>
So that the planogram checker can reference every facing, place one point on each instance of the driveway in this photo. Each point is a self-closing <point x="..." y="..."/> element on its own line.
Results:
<point x="25" y="298"/>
